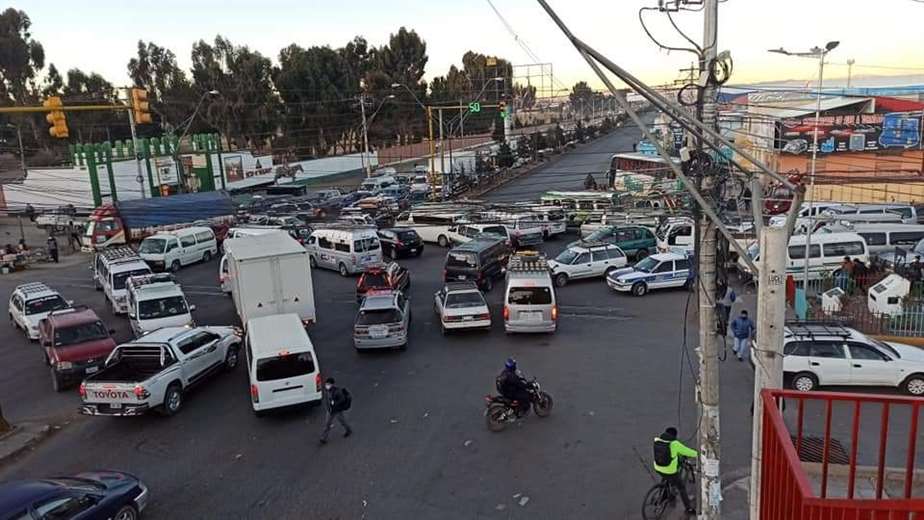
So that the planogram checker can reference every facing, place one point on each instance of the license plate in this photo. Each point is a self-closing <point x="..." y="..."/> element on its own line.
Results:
<point x="413" y="250"/>
<point x="92" y="370"/>
<point x="468" y="318"/>
<point x="378" y="333"/>
<point x="115" y="406"/>
<point x="533" y="316"/>
<point x="462" y="277"/>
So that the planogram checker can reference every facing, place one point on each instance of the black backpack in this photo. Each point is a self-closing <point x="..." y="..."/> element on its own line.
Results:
<point x="347" y="401"/>
<point x="662" y="453"/>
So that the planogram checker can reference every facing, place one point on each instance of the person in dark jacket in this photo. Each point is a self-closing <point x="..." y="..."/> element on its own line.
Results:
<point x="513" y="386"/>
<point x="53" y="249"/>
<point x="335" y="404"/>
<point x="743" y="330"/>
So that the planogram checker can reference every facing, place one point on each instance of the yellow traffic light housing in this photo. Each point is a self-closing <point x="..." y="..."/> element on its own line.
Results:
<point x="140" y="107"/>
<point x="56" y="118"/>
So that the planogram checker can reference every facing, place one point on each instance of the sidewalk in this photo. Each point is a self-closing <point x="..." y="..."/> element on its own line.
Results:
<point x="22" y="437"/>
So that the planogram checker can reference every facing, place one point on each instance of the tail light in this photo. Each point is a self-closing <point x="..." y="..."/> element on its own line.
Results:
<point x="488" y="399"/>
<point x="359" y="283"/>
<point x="444" y="274"/>
<point x="140" y="392"/>
<point x="399" y="243"/>
<point x="317" y="383"/>
<point x="453" y="318"/>
<point x="82" y="389"/>
<point x="484" y="316"/>
<point x="506" y="313"/>
<point x="555" y="312"/>
<point x="255" y="393"/>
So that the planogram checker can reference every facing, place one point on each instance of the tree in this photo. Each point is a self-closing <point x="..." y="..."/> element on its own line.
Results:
<point x="82" y="88"/>
<point x="482" y="71"/>
<point x="53" y="84"/>
<point x="247" y="108"/>
<point x="401" y="61"/>
<point x="505" y="157"/>
<point x="581" y="97"/>
<point x="498" y="133"/>
<point x="170" y="92"/>
<point x="21" y="58"/>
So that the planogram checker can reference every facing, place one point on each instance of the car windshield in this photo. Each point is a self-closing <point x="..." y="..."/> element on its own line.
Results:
<point x="567" y="256"/>
<point x="464" y="299"/>
<point x="77" y="334"/>
<point x="646" y="264"/>
<point x="530" y="296"/>
<point x="886" y="348"/>
<point x="46" y="304"/>
<point x="284" y="366"/>
<point x="464" y="260"/>
<point x="153" y="246"/>
<point x="162" y="308"/>
<point x="408" y="236"/>
<point x="119" y="279"/>
<point x="374" y="280"/>
<point x="600" y="234"/>
<point x="377" y="316"/>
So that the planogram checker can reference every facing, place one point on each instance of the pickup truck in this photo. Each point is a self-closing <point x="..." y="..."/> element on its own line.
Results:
<point x="155" y="370"/>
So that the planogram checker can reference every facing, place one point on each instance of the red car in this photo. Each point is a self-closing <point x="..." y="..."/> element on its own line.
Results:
<point x="76" y="344"/>
<point x="390" y="276"/>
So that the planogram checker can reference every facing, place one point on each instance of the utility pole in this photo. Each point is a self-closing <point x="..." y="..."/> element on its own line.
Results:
<point x="442" y="156"/>
<point x="366" y="159"/>
<point x="135" y="147"/>
<point x="709" y="438"/>
<point x="850" y="63"/>
<point x="22" y="152"/>
<point x="768" y="356"/>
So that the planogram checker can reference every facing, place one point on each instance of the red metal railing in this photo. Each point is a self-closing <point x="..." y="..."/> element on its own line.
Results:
<point x="787" y="491"/>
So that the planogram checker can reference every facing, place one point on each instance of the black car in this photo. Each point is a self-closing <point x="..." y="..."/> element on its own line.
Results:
<point x="84" y="496"/>
<point x="480" y="261"/>
<point x="400" y="241"/>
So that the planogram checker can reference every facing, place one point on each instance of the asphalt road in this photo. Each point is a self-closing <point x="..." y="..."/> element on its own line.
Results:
<point x="421" y="448"/>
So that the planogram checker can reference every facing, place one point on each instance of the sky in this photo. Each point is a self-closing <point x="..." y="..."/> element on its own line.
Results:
<point x="101" y="35"/>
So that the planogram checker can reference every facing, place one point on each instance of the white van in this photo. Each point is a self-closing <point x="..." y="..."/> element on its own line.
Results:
<point x="112" y="268"/>
<point x="827" y="252"/>
<point x="377" y="184"/>
<point x="432" y="226"/>
<point x="346" y="249"/>
<point x="529" y="296"/>
<point x="281" y="363"/>
<point x="174" y="249"/>
<point x="156" y="301"/>
<point x="884" y="238"/>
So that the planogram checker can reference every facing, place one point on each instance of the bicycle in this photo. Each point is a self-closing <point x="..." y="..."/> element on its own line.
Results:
<point x="662" y="495"/>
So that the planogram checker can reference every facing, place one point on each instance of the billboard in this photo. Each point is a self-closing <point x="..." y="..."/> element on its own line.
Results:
<point x="850" y="133"/>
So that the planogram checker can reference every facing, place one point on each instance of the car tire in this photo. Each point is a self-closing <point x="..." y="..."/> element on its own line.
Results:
<point x="232" y="357"/>
<point x="312" y="262"/>
<point x="546" y="235"/>
<point x="442" y="241"/>
<point x="639" y="288"/>
<point x="207" y="256"/>
<point x="804" y="382"/>
<point x="419" y="252"/>
<point x="914" y="385"/>
<point x="561" y="280"/>
<point x="126" y="513"/>
<point x="57" y="382"/>
<point x="173" y="400"/>
<point x="343" y="270"/>
<point x="175" y="266"/>
<point x="640" y="254"/>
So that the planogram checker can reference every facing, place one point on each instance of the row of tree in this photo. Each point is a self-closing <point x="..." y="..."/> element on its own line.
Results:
<point x="306" y="104"/>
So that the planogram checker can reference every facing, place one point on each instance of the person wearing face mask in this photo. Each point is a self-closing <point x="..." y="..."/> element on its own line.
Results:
<point x="336" y="401"/>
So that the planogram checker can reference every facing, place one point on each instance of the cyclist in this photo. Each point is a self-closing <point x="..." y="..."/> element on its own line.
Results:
<point x="667" y="453"/>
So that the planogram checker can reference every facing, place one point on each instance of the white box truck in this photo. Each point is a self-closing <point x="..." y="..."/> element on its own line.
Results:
<point x="270" y="274"/>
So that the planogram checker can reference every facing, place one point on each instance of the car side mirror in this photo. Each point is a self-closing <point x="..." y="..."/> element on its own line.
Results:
<point x="192" y="308"/>
<point x="132" y="315"/>
<point x="70" y="302"/>
<point x="111" y="331"/>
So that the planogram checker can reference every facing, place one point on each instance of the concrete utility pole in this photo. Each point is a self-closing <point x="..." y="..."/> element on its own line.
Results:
<point x="366" y="159"/>
<point x="709" y="438"/>
<point x="768" y="356"/>
<point x="442" y="156"/>
<point x="850" y="63"/>
<point x="135" y="145"/>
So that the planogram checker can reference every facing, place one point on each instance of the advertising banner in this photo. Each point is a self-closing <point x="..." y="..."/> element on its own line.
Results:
<point x="851" y="133"/>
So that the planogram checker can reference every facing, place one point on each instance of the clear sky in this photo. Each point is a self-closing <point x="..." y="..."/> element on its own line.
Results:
<point x="101" y="35"/>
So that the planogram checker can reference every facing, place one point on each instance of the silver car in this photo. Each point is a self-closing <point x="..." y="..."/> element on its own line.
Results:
<point x="382" y="321"/>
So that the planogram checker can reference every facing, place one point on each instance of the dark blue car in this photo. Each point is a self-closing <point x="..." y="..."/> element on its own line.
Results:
<point x="85" y="496"/>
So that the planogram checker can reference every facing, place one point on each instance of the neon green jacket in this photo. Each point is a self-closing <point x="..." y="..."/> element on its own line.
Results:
<point x="677" y="450"/>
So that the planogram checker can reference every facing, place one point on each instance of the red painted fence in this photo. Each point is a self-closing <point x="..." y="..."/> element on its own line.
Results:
<point x="788" y="492"/>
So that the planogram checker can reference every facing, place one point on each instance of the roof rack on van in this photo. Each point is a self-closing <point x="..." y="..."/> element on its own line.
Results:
<point x="150" y="279"/>
<point x="812" y="328"/>
<point x="116" y="253"/>
<point x="346" y="226"/>
<point x="528" y="261"/>
<point x="33" y="287"/>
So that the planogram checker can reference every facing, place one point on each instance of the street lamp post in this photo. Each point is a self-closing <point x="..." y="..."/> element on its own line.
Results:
<point x="367" y="159"/>
<point x="820" y="54"/>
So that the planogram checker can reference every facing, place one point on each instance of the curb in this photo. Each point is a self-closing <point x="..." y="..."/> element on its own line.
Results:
<point x="21" y="438"/>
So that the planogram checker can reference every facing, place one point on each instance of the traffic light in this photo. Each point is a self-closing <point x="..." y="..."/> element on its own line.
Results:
<point x="140" y="107"/>
<point x="502" y="107"/>
<point x="55" y="118"/>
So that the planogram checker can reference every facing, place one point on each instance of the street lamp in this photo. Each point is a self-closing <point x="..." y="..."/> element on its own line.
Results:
<point x="367" y="161"/>
<point x="189" y="122"/>
<point x="820" y="54"/>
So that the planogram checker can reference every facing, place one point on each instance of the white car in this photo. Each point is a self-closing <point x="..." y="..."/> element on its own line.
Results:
<point x="31" y="303"/>
<point x="660" y="271"/>
<point x="460" y="305"/>
<point x="586" y="260"/>
<point x="821" y="355"/>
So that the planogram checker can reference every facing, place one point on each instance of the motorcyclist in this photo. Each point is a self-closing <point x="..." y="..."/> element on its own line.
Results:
<point x="514" y="386"/>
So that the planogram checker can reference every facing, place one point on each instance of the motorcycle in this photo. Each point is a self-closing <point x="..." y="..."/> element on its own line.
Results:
<point x="499" y="411"/>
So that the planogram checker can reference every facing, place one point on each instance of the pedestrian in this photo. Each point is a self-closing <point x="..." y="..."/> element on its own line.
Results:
<point x="860" y="272"/>
<point x="915" y="269"/>
<point x="336" y="401"/>
<point x="726" y="298"/>
<point x="842" y="277"/>
<point x="743" y="330"/>
<point x="73" y="237"/>
<point x="53" y="248"/>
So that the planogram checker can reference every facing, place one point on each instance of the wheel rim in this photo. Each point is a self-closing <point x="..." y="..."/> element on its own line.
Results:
<point x="916" y="386"/>
<point x="232" y="359"/>
<point x="561" y="280"/>
<point x="126" y="514"/>
<point x="343" y="270"/>
<point x="804" y="384"/>
<point x="173" y="402"/>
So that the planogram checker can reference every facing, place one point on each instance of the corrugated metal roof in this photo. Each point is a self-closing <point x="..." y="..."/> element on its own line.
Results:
<point x="806" y="108"/>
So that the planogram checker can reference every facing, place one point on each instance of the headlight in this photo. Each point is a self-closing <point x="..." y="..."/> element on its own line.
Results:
<point x="120" y="299"/>
<point x="64" y="365"/>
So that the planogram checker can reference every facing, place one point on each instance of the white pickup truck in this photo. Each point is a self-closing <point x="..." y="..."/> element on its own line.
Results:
<point x="155" y="370"/>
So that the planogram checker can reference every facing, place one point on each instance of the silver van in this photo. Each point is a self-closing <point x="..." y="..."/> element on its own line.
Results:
<point x="529" y="296"/>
